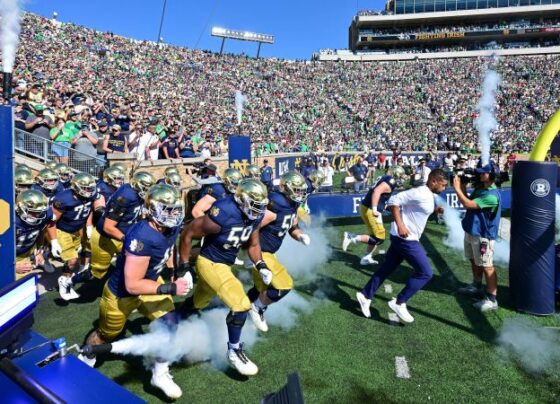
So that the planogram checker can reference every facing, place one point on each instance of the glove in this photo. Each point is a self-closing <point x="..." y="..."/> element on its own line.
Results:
<point x="264" y="272"/>
<point x="183" y="268"/>
<point x="304" y="239"/>
<point x="89" y="231"/>
<point x="56" y="249"/>
<point x="189" y="280"/>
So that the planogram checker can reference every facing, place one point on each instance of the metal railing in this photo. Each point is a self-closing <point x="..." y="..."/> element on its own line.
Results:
<point x="45" y="150"/>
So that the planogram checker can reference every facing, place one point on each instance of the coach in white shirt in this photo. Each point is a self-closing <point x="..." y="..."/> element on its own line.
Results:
<point x="410" y="210"/>
<point x="328" y="173"/>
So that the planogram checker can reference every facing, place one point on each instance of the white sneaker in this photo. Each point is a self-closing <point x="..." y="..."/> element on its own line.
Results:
<point x="162" y="379"/>
<point x="401" y="311"/>
<point x="368" y="260"/>
<point x="65" y="288"/>
<point x="90" y="361"/>
<point x="364" y="304"/>
<point x="346" y="241"/>
<point x="257" y="315"/>
<point x="238" y="261"/>
<point x="486" y="305"/>
<point x="240" y="362"/>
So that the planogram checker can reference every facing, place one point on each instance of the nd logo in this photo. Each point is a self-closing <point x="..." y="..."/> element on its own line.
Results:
<point x="4" y="216"/>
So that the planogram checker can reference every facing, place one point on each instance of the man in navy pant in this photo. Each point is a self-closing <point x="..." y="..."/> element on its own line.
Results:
<point x="410" y="210"/>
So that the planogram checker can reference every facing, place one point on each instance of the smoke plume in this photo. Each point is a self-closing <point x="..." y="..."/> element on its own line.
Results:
<point x="240" y="101"/>
<point x="536" y="349"/>
<point x="485" y="123"/>
<point x="9" y="32"/>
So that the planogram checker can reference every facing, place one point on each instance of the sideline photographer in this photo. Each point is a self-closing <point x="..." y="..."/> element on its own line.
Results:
<point x="481" y="223"/>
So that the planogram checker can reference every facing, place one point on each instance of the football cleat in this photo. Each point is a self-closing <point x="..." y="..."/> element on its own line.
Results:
<point x="239" y="361"/>
<point x="486" y="305"/>
<point x="364" y="304"/>
<point x="401" y="311"/>
<point x="346" y="241"/>
<point x="368" y="260"/>
<point x="164" y="206"/>
<point x="257" y="315"/>
<point x="65" y="288"/>
<point x="162" y="379"/>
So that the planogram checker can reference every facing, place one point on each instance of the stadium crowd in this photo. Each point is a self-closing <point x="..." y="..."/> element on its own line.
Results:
<point x="167" y="100"/>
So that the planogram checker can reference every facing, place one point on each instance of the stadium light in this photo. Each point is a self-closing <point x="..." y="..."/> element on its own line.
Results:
<point x="226" y="33"/>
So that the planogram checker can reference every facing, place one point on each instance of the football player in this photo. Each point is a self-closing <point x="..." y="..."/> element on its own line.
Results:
<point x="168" y="171"/>
<point x="210" y="193"/>
<point x="64" y="174"/>
<point x="314" y="181"/>
<point x="23" y="179"/>
<point x="174" y="180"/>
<point x="72" y="209"/>
<point x="122" y="211"/>
<point x="230" y="223"/>
<point x="252" y="171"/>
<point x="136" y="283"/>
<point x="111" y="180"/>
<point x="379" y="194"/>
<point x="280" y="219"/>
<point x="32" y="216"/>
<point x="47" y="183"/>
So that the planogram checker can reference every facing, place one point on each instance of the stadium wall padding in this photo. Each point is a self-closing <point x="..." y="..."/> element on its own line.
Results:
<point x="532" y="257"/>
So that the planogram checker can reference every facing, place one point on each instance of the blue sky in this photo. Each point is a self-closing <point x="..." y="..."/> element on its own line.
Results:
<point x="300" y="27"/>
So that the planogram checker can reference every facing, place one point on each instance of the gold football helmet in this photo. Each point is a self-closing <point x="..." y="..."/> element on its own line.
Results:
<point x="142" y="181"/>
<point x="174" y="180"/>
<point x="164" y="205"/>
<point x="171" y="170"/>
<point x="47" y="179"/>
<point x="317" y="178"/>
<point x="51" y="164"/>
<point x="64" y="172"/>
<point x="294" y="186"/>
<point x="32" y="206"/>
<point x="22" y="167"/>
<point x="84" y="185"/>
<point x="231" y="179"/>
<point x="252" y="171"/>
<point x="398" y="174"/>
<point x="113" y="176"/>
<point x="252" y="197"/>
<point x="23" y="179"/>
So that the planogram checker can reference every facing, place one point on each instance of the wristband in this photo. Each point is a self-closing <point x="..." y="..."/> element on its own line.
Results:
<point x="261" y="265"/>
<point x="167" y="289"/>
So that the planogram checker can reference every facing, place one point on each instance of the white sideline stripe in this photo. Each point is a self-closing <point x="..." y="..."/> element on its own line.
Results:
<point x="402" y="367"/>
<point x="393" y="319"/>
<point x="388" y="288"/>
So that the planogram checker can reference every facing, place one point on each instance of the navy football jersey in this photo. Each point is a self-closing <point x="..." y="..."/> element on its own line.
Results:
<point x="27" y="234"/>
<point x="124" y="207"/>
<point x="65" y="185"/>
<point x="75" y="210"/>
<point x="49" y="194"/>
<point x="143" y="240"/>
<point x="105" y="189"/>
<point x="272" y="234"/>
<point x="385" y="196"/>
<point x="235" y="230"/>
<point x="216" y="191"/>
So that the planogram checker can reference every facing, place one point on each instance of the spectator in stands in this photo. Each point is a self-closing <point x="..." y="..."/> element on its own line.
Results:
<point x="433" y="162"/>
<point x="61" y="138"/>
<point x="360" y="173"/>
<point x="101" y="134"/>
<point x="170" y="145"/>
<point x="85" y="145"/>
<point x="266" y="174"/>
<point x="423" y="171"/>
<point x="40" y="125"/>
<point x="328" y="174"/>
<point x="134" y="139"/>
<point x="116" y="142"/>
<point x="151" y="141"/>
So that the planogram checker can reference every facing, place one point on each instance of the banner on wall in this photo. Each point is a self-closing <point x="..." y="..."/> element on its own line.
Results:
<point x="239" y="152"/>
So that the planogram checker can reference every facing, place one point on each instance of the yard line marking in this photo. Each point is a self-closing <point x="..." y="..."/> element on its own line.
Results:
<point x="393" y="319"/>
<point x="388" y="288"/>
<point x="401" y="367"/>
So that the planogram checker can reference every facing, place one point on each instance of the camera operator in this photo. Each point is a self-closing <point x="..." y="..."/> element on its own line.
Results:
<point x="481" y="223"/>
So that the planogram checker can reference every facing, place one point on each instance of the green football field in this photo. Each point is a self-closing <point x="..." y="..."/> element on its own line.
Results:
<point x="342" y="357"/>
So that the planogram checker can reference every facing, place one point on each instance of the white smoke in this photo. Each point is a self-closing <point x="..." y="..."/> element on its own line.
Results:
<point x="485" y="123"/>
<point x="240" y="101"/>
<point x="9" y="32"/>
<point x="455" y="234"/>
<point x="204" y="338"/>
<point x="535" y="348"/>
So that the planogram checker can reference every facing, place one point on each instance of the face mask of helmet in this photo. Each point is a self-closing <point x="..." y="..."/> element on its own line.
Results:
<point x="48" y="184"/>
<point x="252" y="209"/>
<point x="32" y="216"/>
<point x="85" y="191"/>
<point x="167" y="216"/>
<point x="296" y="194"/>
<point x="64" y="177"/>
